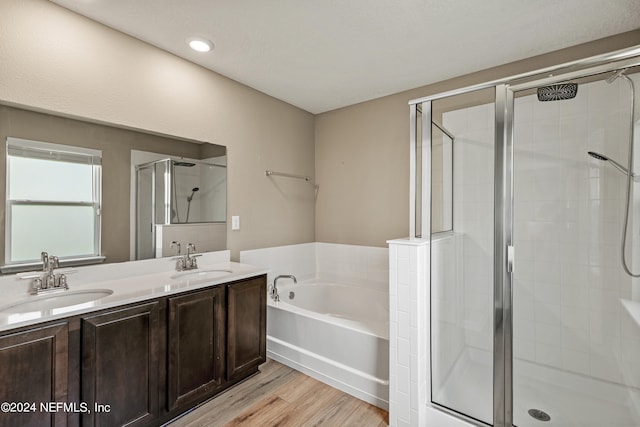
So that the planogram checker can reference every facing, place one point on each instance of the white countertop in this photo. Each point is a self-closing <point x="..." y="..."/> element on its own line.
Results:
<point x="139" y="283"/>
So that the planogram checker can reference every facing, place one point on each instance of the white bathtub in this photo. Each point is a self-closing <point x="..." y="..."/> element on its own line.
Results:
<point x="338" y="334"/>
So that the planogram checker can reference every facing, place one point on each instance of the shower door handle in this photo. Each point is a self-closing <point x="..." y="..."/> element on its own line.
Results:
<point x="510" y="255"/>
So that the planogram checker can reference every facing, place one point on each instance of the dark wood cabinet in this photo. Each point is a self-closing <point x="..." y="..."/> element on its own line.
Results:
<point x="196" y="346"/>
<point x="247" y="316"/>
<point x="33" y="370"/>
<point x="136" y="365"/>
<point x="120" y="366"/>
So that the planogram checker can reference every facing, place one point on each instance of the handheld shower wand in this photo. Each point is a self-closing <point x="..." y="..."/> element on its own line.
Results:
<point x="615" y="164"/>
<point x="189" y="199"/>
<point x="620" y="74"/>
<point x="193" y="191"/>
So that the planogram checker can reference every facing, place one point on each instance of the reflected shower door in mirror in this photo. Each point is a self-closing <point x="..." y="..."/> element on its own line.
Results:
<point x="118" y="213"/>
<point x="462" y="281"/>
<point x="179" y="199"/>
<point x="144" y="213"/>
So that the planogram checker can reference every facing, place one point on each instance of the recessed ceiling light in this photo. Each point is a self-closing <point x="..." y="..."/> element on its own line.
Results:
<point x="199" y="44"/>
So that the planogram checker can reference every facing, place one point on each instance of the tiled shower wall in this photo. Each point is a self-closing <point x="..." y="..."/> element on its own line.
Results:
<point x="568" y="218"/>
<point x="568" y="281"/>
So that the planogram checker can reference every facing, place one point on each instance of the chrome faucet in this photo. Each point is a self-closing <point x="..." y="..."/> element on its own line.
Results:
<point x="50" y="281"/>
<point x="53" y="263"/>
<point x="190" y="246"/>
<point x="45" y="260"/>
<point x="188" y="261"/>
<point x="273" y="289"/>
<point x="50" y="277"/>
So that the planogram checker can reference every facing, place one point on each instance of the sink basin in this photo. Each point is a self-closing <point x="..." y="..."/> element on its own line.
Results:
<point x="201" y="274"/>
<point x="56" y="300"/>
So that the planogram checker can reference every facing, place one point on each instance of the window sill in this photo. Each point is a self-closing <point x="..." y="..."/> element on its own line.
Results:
<point x="69" y="262"/>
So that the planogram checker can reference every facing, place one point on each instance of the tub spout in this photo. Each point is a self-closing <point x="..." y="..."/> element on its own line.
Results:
<point x="273" y="292"/>
<point x="273" y="289"/>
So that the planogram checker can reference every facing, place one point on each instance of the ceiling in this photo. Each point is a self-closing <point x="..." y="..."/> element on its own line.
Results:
<point x="320" y="55"/>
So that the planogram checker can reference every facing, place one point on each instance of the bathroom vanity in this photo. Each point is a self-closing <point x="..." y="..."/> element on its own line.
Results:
<point x="136" y="363"/>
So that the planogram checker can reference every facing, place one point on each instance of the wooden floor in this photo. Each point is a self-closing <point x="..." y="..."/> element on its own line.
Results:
<point x="281" y="396"/>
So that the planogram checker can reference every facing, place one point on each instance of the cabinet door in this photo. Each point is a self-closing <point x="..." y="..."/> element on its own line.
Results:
<point x="247" y="314"/>
<point x="196" y="346"/>
<point x="33" y="368"/>
<point x="120" y="367"/>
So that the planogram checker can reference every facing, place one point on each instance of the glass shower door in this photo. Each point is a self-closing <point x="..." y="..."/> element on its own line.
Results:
<point x="152" y="205"/>
<point x="462" y="240"/>
<point x="534" y="320"/>
<point x="576" y="346"/>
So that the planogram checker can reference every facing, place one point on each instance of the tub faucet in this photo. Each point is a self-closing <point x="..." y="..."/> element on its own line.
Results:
<point x="273" y="289"/>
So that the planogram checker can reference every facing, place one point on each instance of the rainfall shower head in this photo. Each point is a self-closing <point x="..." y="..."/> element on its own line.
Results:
<point x="180" y="163"/>
<point x="558" y="92"/>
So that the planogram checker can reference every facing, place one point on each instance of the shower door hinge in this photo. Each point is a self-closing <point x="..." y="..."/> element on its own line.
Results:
<point x="510" y="251"/>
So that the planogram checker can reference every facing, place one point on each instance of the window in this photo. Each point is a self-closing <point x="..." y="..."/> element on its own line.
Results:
<point x="52" y="201"/>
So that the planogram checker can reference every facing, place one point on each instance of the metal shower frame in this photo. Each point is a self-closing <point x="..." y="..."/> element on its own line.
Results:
<point x="503" y="254"/>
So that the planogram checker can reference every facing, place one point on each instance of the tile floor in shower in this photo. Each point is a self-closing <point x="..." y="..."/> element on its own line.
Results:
<point x="570" y="400"/>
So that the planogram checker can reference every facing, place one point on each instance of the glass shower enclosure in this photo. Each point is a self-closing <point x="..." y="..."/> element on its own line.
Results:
<point x="535" y="319"/>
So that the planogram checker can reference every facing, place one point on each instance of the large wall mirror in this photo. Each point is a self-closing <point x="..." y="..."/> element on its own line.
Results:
<point x="154" y="189"/>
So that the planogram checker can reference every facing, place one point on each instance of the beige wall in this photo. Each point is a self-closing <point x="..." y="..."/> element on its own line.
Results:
<point x="55" y="60"/>
<point x="362" y="153"/>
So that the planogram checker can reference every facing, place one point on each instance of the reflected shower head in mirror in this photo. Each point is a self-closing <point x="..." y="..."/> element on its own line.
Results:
<point x="604" y="158"/>
<point x="558" y="92"/>
<point x="185" y="164"/>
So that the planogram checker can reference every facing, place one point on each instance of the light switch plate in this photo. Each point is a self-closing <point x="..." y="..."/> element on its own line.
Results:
<point x="235" y="222"/>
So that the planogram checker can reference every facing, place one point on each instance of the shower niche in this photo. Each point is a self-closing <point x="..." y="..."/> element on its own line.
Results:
<point x="183" y="200"/>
